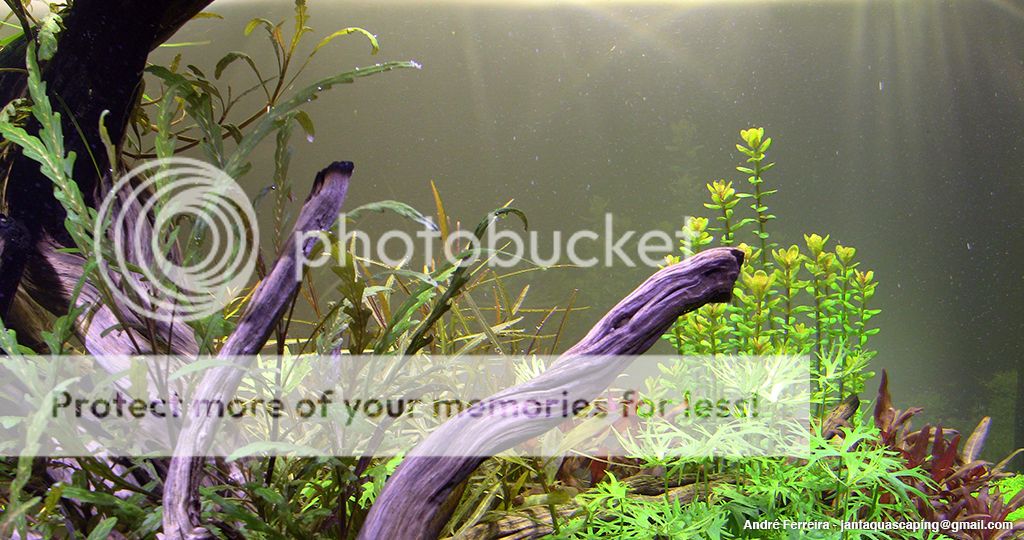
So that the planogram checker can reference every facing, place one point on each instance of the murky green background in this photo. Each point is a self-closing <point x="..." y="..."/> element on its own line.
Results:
<point x="897" y="126"/>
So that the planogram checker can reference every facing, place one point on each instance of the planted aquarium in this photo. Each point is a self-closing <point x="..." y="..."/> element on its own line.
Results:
<point x="494" y="269"/>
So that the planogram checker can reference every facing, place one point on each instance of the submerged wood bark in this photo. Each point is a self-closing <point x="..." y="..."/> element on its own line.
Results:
<point x="415" y="502"/>
<point x="98" y="65"/>
<point x="270" y="300"/>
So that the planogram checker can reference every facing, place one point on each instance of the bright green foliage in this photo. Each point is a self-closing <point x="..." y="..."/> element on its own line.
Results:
<point x="807" y="298"/>
<point x="754" y="148"/>
<point x="48" y="150"/>
<point x="696" y="236"/>
<point x="810" y="298"/>
<point x="184" y="109"/>
<point x="1008" y="487"/>
<point x="609" y="512"/>
<point x="858" y="481"/>
<point x="724" y="200"/>
<point x="796" y="300"/>
<point x="802" y="299"/>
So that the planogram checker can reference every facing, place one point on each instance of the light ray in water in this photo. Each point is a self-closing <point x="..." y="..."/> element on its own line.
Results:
<point x="1015" y="10"/>
<point x="551" y="3"/>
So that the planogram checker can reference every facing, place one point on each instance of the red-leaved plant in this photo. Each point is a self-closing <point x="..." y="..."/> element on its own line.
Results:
<point x="962" y="486"/>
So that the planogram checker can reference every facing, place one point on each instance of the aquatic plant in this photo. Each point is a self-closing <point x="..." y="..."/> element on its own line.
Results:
<point x="801" y="299"/>
<point x="857" y="481"/>
<point x="1009" y="487"/>
<point x="958" y="485"/>
<point x="869" y="468"/>
<point x="809" y="299"/>
<point x="371" y="307"/>
<point x="804" y="300"/>
<point x="609" y="511"/>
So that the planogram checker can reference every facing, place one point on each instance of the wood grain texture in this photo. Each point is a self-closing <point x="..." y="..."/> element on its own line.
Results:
<point x="50" y="279"/>
<point x="415" y="501"/>
<point x="272" y="297"/>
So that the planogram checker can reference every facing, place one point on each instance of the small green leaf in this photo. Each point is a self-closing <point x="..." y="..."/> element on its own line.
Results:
<point x="234" y="132"/>
<point x="102" y="531"/>
<point x="395" y="207"/>
<point x="47" y="36"/>
<point x="307" y="125"/>
<point x="257" y="22"/>
<point x="229" y="58"/>
<point x="374" y="44"/>
<point x="183" y="44"/>
<point x="270" y="122"/>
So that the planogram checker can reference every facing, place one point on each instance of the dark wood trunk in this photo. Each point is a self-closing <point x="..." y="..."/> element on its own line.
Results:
<point x="98" y="67"/>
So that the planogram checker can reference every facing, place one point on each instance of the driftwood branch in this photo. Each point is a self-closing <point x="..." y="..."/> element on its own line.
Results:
<point x="840" y="417"/>
<point x="415" y="502"/>
<point x="106" y="331"/>
<point x="272" y="297"/>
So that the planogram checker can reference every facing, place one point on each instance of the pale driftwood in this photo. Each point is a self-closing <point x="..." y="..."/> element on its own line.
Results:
<point x="50" y="279"/>
<point x="97" y="69"/>
<point x="270" y="300"/>
<point x="415" y="501"/>
<point x="535" y="521"/>
<point x="840" y="417"/>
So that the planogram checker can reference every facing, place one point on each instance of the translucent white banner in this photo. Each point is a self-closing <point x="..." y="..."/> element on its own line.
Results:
<point x="724" y="406"/>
